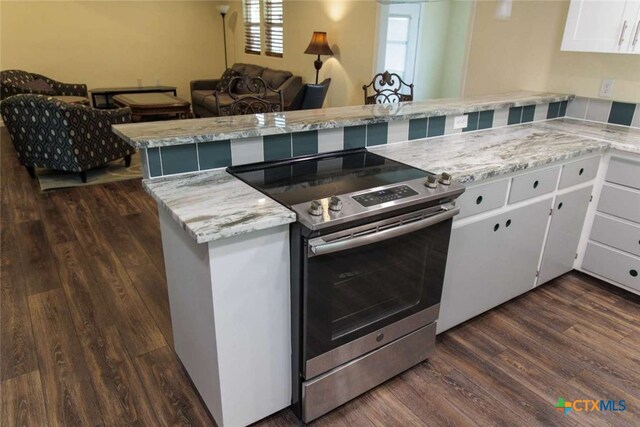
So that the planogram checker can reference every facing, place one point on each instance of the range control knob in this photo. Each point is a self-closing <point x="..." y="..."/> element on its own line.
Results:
<point x="431" y="182"/>
<point x="445" y="178"/>
<point x="315" y="208"/>
<point x="335" y="204"/>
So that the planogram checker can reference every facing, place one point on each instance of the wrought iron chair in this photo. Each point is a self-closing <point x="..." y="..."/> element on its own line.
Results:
<point x="248" y="95"/>
<point x="311" y="96"/>
<point x="387" y="88"/>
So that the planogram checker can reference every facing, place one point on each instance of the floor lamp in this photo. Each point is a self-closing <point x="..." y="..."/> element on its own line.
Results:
<point x="223" y="9"/>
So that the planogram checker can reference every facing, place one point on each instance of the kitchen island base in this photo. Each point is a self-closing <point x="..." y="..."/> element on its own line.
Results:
<point x="231" y="317"/>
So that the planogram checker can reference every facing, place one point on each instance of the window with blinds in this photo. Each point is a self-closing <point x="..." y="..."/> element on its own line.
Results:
<point x="273" y="29"/>
<point x="251" y="12"/>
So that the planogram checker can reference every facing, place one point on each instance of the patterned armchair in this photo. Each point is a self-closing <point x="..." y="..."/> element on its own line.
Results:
<point x="12" y="82"/>
<point x="49" y="133"/>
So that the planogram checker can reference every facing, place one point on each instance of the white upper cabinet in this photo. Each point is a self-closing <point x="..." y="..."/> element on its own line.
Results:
<point x="610" y="26"/>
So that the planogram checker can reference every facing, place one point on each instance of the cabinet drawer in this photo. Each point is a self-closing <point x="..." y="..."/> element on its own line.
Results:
<point x="605" y="262"/>
<point x="624" y="172"/>
<point x="482" y="198"/>
<point x="578" y="172"/>
<point x="620" y="202"/>
<point x="620" y="235"/>
<point x="533" y="184"/>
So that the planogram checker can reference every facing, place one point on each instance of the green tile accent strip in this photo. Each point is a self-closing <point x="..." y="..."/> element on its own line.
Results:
<point x="377" y="134"/>
<point x="436" y="126"/>
<point x="277" y="147"/>
<point x="216" y="154"/>
<point x="554" y="110"/>
<point x="515" y="115"/>
<point x="485" y="121"/>
<point x="472" y="122"/>
<point x="528" y="112"/>
<point x="179" y="159"/>
<point x="155" y="168"/>
<point x="305" y="143"/>
<point x="621" y="113"/>
<point x="418" y="128"/>
<point x="355" y="136"/>
<point x="563" y="109"/>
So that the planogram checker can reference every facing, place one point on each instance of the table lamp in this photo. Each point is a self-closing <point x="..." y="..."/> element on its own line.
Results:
<point x="318" y="46"/>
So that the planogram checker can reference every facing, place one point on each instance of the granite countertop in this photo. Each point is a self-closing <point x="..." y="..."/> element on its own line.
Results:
<point x="214" y="205"/>
<point x="177" y="132"/>
<point x="480" y="155"/>
<point x="621" y="138"/>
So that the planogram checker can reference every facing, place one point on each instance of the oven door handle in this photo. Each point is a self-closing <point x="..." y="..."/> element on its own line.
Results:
<point x="390" y="233"/>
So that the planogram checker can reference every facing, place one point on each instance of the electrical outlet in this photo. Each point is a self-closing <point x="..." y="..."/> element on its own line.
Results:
<point x="606" y="88"/>
<point x="460" y="122"/>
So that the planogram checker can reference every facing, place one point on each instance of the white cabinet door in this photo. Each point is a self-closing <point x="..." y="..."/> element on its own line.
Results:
<point x="601" y="26"/>
<point x="492" y="261"/>
<point x="634" y="36"/>
<point x="564" y="234"/>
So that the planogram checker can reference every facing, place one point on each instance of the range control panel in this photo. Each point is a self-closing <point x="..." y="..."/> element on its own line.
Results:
<point x="382" y="196"/>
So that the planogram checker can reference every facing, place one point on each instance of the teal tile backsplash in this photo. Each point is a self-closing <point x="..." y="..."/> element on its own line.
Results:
<point x="418" y="128"/>
<point x="179" y="159"/>
<point x="436" y="126"/>
<point x="155" y="167"/>
<point x="277" y="147"/>
<point x="622" y="113"/>
<point x="216" y="154"/>
<point x="305" y="143"/>
<point x="377" y="134"/>
<point x="355" y="136"/>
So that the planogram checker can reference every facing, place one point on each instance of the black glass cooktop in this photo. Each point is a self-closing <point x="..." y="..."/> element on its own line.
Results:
<point x="301" y="180"/>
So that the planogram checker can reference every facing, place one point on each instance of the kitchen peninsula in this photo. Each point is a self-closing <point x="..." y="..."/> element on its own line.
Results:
<point x="226" y="245"/>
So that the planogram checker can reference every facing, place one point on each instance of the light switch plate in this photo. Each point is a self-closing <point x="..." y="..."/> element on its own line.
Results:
<point x="460" y="122"/>
<point x="606" y="88"/>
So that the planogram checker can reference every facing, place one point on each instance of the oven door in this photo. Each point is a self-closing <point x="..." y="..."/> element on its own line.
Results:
<point x="370" y="285"/>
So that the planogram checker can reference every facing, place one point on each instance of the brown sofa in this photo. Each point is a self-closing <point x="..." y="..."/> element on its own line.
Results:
<point x="204" y="101"/>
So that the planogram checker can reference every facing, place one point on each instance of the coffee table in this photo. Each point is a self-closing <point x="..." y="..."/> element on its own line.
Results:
<point x="107" y="93"/>
<point x="154" y="105"/>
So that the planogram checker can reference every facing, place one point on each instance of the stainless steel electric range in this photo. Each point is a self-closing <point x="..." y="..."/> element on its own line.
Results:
<point x="368" y="253"/>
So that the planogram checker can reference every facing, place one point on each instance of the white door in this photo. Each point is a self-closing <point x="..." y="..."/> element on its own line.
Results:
<point x="601" y="25"/>
<point x="398" y="39"/>
<point x="634" y="36"/>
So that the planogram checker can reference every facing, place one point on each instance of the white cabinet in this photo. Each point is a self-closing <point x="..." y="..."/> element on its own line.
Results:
<point x="610" y="26"/>
<point x="564" y="233"/>
<point x="492" y="261"/>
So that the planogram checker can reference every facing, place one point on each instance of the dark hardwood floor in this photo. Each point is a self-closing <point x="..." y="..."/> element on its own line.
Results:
<point x="86" y="332"/>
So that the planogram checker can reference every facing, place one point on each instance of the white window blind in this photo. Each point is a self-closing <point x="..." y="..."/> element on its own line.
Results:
<point x="273" y="27"/>
<point x="251" y="12"/>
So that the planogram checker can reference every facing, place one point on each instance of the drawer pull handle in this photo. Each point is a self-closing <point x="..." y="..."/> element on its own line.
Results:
<point x="495" y="227"/>
<point x="508" y="222"/>
<point x="581" y="171"/>
<point x="535" y="184"/>
<point x="560" y="205"/>
<point x="380" y="337"/>
<point x="479" y="200"/>
<point x="633" y="273"/>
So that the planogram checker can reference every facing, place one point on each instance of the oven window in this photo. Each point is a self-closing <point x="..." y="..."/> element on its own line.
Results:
<point x="354" y="292"/>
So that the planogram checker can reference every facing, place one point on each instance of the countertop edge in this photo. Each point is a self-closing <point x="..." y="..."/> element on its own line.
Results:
<point x="153" y="142"/>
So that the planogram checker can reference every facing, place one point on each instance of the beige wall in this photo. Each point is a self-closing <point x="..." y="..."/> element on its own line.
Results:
<point x="524" y="53"/>
<point x="105" y="43"/>
<point x="351" y="31"/>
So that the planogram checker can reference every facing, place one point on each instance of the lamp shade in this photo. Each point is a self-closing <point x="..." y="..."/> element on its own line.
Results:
<point x="319" y="44"/>
<point x="223" y="8"/>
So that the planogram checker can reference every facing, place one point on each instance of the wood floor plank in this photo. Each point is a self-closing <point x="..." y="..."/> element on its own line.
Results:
<point x="87" y="304"/>
<point x="58" y="229"/>
<point x="146" y="233"/>
<point x="68" y="393"/>
<point x="40" y="273"/>
<point x="23" y="401"/>
<point x="121" y="396"/>
<point x="18" y="351"/>
<point x="152" y="288"/>
<point x="117" y="195"/>
<point x="139" y="332"/>
<point x="124" y="245"/>
<point x="174" y="401"/>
